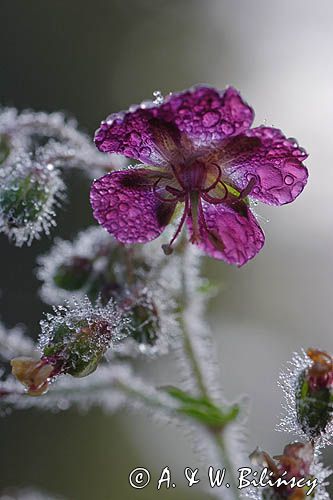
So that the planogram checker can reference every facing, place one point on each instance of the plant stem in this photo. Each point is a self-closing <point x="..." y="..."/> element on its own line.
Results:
<point x="218" y="438"/>
<point x="191" y="354"/>
<point x="144" y="398"/>
<point x="187" y="341"/>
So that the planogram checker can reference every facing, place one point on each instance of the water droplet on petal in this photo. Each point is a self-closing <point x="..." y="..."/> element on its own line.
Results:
<point x="135" y="138"/>
<point x="227" y="128"/>
<point x="210" y="118"/>
<point x="123" y="207"/>
<point x="289" y="180"/>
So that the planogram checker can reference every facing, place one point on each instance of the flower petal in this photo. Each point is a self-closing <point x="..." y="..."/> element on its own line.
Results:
<point x="266" y="157"/>
<point x="229" y="232"/>
<point x="125" y="204"/>
<point x="205" y="114"/>
<point x="202" y="113"/>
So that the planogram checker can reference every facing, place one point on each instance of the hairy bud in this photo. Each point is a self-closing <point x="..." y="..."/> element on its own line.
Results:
<point x="144" y="317"/>
<point x="314" y="397"/>
<point x="28" y="195"/>
<point x="76" y="337"/>
<point x="290" y="474"/>
<point x="74" y="274"/>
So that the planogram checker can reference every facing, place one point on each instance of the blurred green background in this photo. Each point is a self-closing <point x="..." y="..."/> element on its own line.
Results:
<point x="92" y="58"/>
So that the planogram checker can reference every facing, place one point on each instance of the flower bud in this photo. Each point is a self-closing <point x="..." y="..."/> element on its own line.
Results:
<point x="79" y="347"/>
<point x="137" y="278"/>
<point x="76" y="337"/>
<point x="74" y="269"/>
<point x="74" y="274"/>
<point x="314" y="397"/>
<point x="28" y="195"/>
<point x="33" y="374"/>
<point x="151" y="321"/>
<point x="144" y="318"/>
<point x="295" y="464"/>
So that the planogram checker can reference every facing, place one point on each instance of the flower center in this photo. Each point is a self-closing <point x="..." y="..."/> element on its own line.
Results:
<point x="192" y="181"/>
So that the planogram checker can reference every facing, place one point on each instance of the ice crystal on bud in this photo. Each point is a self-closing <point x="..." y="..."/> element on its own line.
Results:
<point x="29" y="194"/>
<point x="76" y="336"/>
<point x="308" y="387"/>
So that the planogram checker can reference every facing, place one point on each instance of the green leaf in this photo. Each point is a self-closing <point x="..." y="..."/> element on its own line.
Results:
<point x="202" y="409"/>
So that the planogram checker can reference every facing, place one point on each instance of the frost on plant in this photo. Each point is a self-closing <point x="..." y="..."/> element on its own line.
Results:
<point x="34" y="147"/>
<point x="138" y="278"/>
<point x="296" y="474"/>
<point x="115" y="299"/>
<point x="308" y="387"/>
<point x="29" y="194"/>
<point x="73" y="341"/>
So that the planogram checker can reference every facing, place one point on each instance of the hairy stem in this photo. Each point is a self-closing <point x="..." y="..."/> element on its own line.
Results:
<point x="219" y="441"/>
<point x="191" y="354"/>
<point x="149" y="400"/>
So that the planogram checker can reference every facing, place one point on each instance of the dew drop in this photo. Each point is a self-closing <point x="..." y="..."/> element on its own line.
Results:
<point x="123" y="207"/>
<point x="227" y="128"/>
<point x="210" y="118"/>
<point x="289" y="180"/>
<point x="135" y="138"/>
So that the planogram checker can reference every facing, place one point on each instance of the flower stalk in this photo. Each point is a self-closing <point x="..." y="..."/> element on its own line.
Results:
<point x="192" y="356"/>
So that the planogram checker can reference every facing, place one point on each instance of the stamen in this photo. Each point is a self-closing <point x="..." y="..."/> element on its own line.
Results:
<point x="194" y="199"/>
<point x="177" y="194"/>
<point x="167" y="248"/>
<point x="175" y="173"/>
<point x="215" y="200"/>
<point x="216" y="181"/>
<point x="247" y="190"/>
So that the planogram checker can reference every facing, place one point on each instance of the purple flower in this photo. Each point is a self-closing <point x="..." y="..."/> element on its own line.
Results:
<point x="196" y="149"/>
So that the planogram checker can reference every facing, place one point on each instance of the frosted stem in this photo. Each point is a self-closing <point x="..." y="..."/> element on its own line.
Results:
<point x="191" y="356"/>
<point x="192" y="350"/>
<point x="147" y="399"/>
<point x="221" y="445"/>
